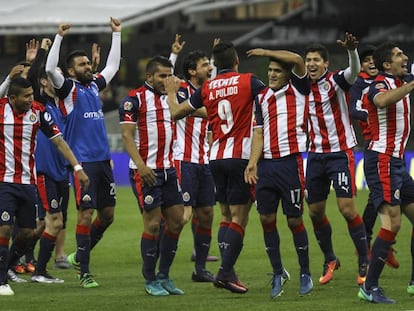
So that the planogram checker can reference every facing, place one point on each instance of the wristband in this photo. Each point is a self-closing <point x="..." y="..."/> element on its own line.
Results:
<point x="77" y="167"/>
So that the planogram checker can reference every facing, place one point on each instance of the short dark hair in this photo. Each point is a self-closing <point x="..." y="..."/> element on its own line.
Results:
<point x="190" y="61"/>
<point x="285" y="65"/>
<point x="155" y="62"/>
<point x="225" y="55"/>
<point x="17" y="85"/>
<point x="383" y="53"/>
<point x="72" y="55"/>
<point x="319" y="48"/>
<point x="366" y="50"/>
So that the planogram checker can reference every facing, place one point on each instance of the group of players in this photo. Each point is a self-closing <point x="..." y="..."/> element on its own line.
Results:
<point x="201" y="139"/>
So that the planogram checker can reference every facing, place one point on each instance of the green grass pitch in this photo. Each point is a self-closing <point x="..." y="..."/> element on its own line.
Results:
<point x="116" y="265"/>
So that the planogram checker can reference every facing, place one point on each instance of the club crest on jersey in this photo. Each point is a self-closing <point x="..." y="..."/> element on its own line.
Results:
<point x="86" y="198"/>
<point x="5" y="216"/>
<point x="186" y="197"/>
<point x="181" y="94"/>
<point x="32" y="118"/>
<point x="54" y="204"/>
<point x="47" y="116"/>
<point x="149" y="199"/>
<point x="326" y="86"/>
<point x="379" y="86"/>
<point x="397" y="194"/>
<point x="127" y="106"/>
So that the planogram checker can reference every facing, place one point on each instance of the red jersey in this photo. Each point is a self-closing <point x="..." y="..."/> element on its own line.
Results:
<point x="150" y="111"/>
<point x="228" y="99"/>
<point x="390" y="127"/>
<point x="190" y="135"/>
<point x="330" y="126"/>
<point x="282" y="115"/>
<point x="18" y="141"/>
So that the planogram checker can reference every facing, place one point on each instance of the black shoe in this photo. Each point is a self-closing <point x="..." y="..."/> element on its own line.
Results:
<point x="203" y="276"/>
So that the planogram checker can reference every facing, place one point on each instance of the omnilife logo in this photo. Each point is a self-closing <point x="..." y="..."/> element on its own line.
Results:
<point x="93" y="115"/>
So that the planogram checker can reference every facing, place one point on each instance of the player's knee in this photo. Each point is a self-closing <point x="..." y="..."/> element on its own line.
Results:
<point x="294" y="222"/>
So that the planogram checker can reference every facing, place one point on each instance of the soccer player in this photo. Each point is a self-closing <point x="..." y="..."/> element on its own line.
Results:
<point x="86" y="134"/>
<point x="280" y="137"/>
<point x="359" y="110"/>
<point x="147" y="134"/>
<point x="52" y="172"/>
<point x="191" y="148"/>
<point x="391" y="186"/>
<point x="20" y="118"/>
<point x="331" y="159"/>
<point x="228" y="100"/>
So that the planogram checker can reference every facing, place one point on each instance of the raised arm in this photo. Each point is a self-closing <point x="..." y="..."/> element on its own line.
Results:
<point x="52" y="61"/>
<point x="34" y="71"/>
<point x="214" y="68"/>
<point x="176" y="49"/>
<point x="114" y="57"/>
<point x="351" y="43"/>
<point x="31" y="50"/>
<point x="96" y="56"/>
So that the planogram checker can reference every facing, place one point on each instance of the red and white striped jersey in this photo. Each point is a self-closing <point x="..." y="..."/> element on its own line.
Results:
<point x="283" y="115"/>
<point x="190" y="135"/>
<point x="18" y="141"/>
<point x="149" y="110"/>
<point x="390" y="127"/>
<point x="330" y="126"/>
<point x="228" y="99"/>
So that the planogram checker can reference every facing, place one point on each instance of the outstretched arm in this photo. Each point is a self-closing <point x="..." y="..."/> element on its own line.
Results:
<point x="390" y="97"/>
<point x="114" y="56"/>
<point x="298" y="69"/>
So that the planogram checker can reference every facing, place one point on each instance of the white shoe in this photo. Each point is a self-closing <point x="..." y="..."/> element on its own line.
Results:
<point x="45" y="278"/>
<point x="5" y="290"/>
<point x="12" y="276"/>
